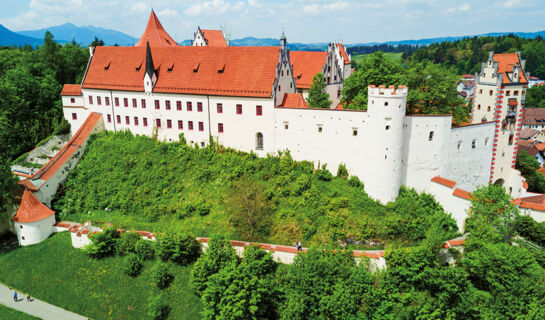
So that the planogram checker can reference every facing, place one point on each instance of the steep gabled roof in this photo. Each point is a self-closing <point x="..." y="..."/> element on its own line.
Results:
<point x="506" y="62"/>
<point x="155" y="34"/>
<point x="31" y="209"/>
<point x="71" y="90"/>
<point x="306" y="64"/>
<point x="343" y="53"/>
<point x="294" y="101"/>
<point x="214" y="38"/>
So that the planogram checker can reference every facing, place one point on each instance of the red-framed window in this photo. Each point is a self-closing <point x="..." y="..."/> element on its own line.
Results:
<point x="157" y="104"/>
<point x="220" y="108"/>
<point x="190" y="125"/>
<point x="158" y="123"/>
<point x="220" y="127"/>
<point x="199" y="106"/>
<point x="109" y="118"/>
<point x="167" y="104"/>
<point x="179" y="105"/>
<point x="107" y="100"/>
<point x="136" y="121"/>
<point x="134" y="104"/>
<point x="180" y="124"/>
<point x="90" y="99"/>
<point x="189" y="106"/>
<point x="116" y="100"/>
<point x="145" y="121"/>
<point x="72" y="100"/>
<point x="99" y="101"/>
<point x="169" y="123"/>
<point x="127" y="120"/>
<point x="74" y="116"/>
<point x="125" y="102"/>
<point x="118" y="118"/>
<point x="201" y="126"/>
<point x="239" y="109"/>
<point x="258" y="110"/>
<point x="143" y="102"/>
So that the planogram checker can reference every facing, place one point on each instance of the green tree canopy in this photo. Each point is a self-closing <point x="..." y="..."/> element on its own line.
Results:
<point x="528" y="165"/>
<point x="8" y="187"/>
<point x="317" y="96"/>
<point x="535" y="97"/>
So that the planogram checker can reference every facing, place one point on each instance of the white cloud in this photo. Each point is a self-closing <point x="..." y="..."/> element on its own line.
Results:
<point x="317" y="9"/>
<point x="168" y="13"/>
<point x="213" y="8"/>
<point x="461" y="8"/>
<point x="511" y="3"/>
<point x="139" y="7"/>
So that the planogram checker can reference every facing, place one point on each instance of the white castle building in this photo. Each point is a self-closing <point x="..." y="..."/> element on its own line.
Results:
<point x="253" y="99"/>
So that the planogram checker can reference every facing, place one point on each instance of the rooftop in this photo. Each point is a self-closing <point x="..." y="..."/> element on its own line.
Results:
<point x="155" y="34"/>
<point x="506" y="62"/>
<point x="214" y="38"/>
<point x="31" y="209"/>
<point x="306" y="64"/>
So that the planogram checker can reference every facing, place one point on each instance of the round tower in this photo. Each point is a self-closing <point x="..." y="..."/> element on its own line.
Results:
<point x="386" y="110"/>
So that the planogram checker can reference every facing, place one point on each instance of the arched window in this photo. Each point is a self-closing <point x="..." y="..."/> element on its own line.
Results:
<point x="259" y="141"/>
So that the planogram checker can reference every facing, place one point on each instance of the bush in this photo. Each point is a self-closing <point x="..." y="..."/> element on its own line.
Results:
<point x="63" y="127"/>
<point x="132" y="265"/>
<point x="103" y="243"/>
<point x="161" y="276"/>
<point x="182" y="249"/>
<point x="126" y="243"/>
<point x="301" y="184"/>
<point x="354" y="182"/>
<point x="203" y="209"/>
<point x="324" y="174"/>
<point x="144" y="249"/>
<point x="158" y="310"/>
<point x="342" y="172"/>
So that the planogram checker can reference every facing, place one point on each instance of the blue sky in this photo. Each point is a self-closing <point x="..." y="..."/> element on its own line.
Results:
<point x="303" y="20"/>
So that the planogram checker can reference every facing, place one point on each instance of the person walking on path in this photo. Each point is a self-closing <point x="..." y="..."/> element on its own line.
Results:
<point x="15" y="296"/>
<point x="29" y="299"/>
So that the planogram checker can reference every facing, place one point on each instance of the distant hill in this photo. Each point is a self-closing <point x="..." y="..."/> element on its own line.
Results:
<point x="83" y="35"/>
<point x="10" y="38"/>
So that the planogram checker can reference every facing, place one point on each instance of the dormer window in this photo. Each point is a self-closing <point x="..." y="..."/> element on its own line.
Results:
<point x="221" y="68"/>
<point x="196" y="67"/>
<point x="107" y="66"/>
<point x="139" y="66"/>
<point x="169" y="69"/>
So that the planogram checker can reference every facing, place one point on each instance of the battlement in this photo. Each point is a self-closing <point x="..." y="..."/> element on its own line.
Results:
<point x="391" y="91"/>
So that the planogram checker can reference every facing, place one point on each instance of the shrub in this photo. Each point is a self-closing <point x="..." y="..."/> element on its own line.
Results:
<point x="354" y="182"/>
<point x="182" y="249"/>
<point x="63" y="127"/>
<point x="301" y="184"/>
<point x="342" y="172"/>
<point x="324" y="174"/>
<point x="161" y="276"/>
<point x="158" y="310"/>
<point x="126" y="243"/>
<point x="144" y="249"/>
<point x="103" y="243"/>
<point x="203" y="209"/>
<point x="132" y="265"/>
<point x="218" y="254"/>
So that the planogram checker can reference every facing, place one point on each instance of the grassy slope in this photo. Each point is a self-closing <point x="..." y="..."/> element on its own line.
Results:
<point x="12" y="314"/>
<point x="55" y="272"/>
<point x="392" y="55"/>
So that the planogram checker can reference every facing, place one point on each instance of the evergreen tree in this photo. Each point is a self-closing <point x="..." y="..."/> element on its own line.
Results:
<point x="8" y="186"/>
<point x="317" y="96"/>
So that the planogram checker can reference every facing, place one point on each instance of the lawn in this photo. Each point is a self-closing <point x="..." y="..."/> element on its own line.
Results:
<point x="12" y="314"/>
<point x="57" y="273"/>
<point x="391" y="55"/>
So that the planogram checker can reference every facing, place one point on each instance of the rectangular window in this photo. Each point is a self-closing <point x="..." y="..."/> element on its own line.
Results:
<point x="179" y="105"/>
<point x="167" y="104"/>
<point x="72" y="100"/>
<point x="134" y="105"/>
<point x="239" y="109"/>
<point x="201" y="126"/>
<point x="158" y="123"/>
<point x="258" y="110"/>
<point x="157" y="105"/>
<point x="107" y="100"/>
<point x="220" y="127"/>
<point x="473" y="142"/>
<point x="199" y="106"/>
<point x="127" y="120"/>
<point x="90" y="99"/>
<point x="511" y="137"/>
<point x="507" y="93"/>
<point x="136" y="121"/>
<point x="189" y="106"/>
<point x="143" y="102"/>
<point x="190" y="125"/>
<point x="220" y="108"/>
<point x="74" y="116"/>
<point x="116" y="100"/>
<point x="109" y="118"/>
<point x="430" y="136"/>
<point x="516" y="93"/>
<point x="169" y="123"/>
<point x="118" y="118"/>
<point x="145" y="121"/>
<point x="491" y="92"/>
<point x="180" y="124"/>
<point x="125" y="102"/>
<point x="99" y="101"/>
<point x="286" y="125"/>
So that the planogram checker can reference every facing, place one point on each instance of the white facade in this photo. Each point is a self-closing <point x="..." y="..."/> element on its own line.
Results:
<point x="34" y="232"/>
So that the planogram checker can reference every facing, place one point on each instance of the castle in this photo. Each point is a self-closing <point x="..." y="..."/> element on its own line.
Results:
<point x="253" y="99"/>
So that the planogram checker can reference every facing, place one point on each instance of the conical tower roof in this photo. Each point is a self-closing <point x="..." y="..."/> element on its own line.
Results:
<point x="155" y="34"/>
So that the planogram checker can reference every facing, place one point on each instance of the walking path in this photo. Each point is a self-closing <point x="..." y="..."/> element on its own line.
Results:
<point x="35" y="308"/>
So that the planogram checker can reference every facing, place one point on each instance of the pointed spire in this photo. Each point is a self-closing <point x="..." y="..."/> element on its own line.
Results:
<point x="155" y="34"/>
<point x="150" y="69"/>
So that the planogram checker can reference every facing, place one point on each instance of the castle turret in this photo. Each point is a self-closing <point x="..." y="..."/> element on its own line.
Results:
<point x="386" y="109"/>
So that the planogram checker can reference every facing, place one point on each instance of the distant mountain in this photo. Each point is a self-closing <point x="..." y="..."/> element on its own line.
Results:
<point x="83" y="35"/>
<point x="10" y="38"/>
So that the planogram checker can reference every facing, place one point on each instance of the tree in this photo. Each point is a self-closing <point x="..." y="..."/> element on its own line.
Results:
<point x="158" y="309"/>
<point x="127" y="242"/>
<point x="248" y="209"/>
<point x="181" y="249"/>
<point x="528" y="165"/>
<point x="103" y="243"/>
<point x="535" y="97"/>
<point x="218" y="254"/>
<point x="144" y="249"/>
<point x="132" y="265"/>
<point x="97" y="42"/>
<point x="317" y="96"/>
<point x="161" y="276"/>
<point x="8" y="187"/>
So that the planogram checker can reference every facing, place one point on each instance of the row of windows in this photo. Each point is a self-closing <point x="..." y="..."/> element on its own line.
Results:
<point x="158" y="122"/>
<point x="189" y="105"/>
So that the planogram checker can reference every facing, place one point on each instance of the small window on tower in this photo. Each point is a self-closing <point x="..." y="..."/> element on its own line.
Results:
<point x="320" y="128"/>
<point x="387" y="127"/>
<point x="478" y="107"/>
<point x="491" y="92"/>
<point x="430" y="136"/>
<point x="480" y="90"/>
<point x="354" y="132"/>
<point x="488" y="108"/>
<point x="516" y="93"/>
<point x="74" y="116"/>
<point x="459" y="145"/>
<point x="507" y="93"/>
<point x="511" y="138"/>
<point x="286" y="125"/>
<point x="486" y="141"/>
<point x="473" y="143"/>
<point x="72" y="100"/>
<point x="386" y="103"/>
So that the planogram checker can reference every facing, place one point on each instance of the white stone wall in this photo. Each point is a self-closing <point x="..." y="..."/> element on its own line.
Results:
<point x="452" y="204"/>
<point x="467" y="165"/>
<point x="537" y="215"/>
<point x="198" y="39"/>
<point x="34" y="232"/>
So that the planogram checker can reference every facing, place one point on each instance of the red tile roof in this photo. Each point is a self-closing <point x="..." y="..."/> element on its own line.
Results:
<point x="512" y="102"/>
<point x="214" y="38"/>
<point x="28" y="185"/>
<point x="31" y="209"/>
<point x="306" y="64"/>
<point x="155" y="34"/>
<point x="247" y="71"/>
<point x="462" y="194"/>
<point x="294" y="100"/>
<point x="343" y="53"/>
<point x="71" y="90"/>
<point x="541" y="170"/>
<point x="506" y="62"/>
<point x="533" y="116"/>
<point x="443" y="181"/>
<point x="533" y="202"/>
